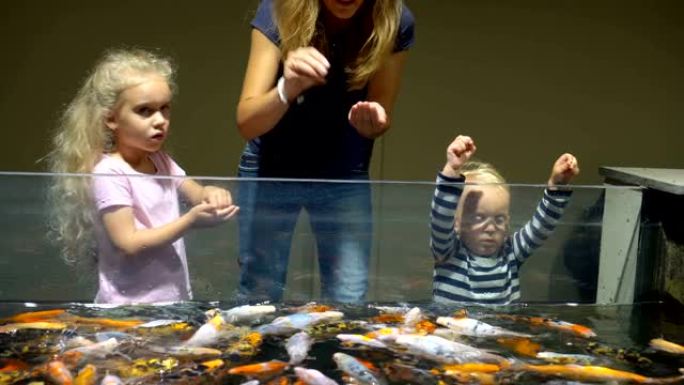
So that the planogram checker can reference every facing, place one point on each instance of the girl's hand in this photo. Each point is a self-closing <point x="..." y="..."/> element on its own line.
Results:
<point x="564" y="169"/>
<point x="206" y="214"/>
<point x="216" y="196"/>
<point x="304" y="68"/>
<point x="368" y="117"/>
<point x="458" y="152"/>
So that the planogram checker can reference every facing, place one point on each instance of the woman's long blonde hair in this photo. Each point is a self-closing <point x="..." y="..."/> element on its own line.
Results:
<point x="299" y="25"/>
<point x="81" y="138"/>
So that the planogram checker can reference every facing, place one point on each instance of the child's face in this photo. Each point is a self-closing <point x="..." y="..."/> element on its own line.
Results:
<point x="140" y="120"/>
<point x="342" y="9"/>
<point x="483" y="218"/>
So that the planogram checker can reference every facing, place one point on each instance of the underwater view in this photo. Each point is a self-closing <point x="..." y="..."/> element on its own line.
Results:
<point x="310" y="343"/>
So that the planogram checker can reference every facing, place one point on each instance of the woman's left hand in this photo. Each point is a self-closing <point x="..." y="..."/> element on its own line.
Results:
<point x="369" y="118"/>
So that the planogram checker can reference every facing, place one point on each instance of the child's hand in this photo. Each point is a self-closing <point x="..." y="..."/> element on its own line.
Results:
<point x="564" y="169"/>
<point x="458" y="152"/>
<point x="205" y="214"/>
<point x="216" y="196"/>
<point x="368" y="117"/>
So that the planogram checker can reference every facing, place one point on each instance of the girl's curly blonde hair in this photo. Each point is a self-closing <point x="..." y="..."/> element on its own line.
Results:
<point x="81" y="138"/>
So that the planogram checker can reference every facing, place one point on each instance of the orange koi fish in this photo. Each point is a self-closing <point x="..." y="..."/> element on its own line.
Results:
<point x="388" y="318"/>
<point x="522" y="346"/>
<point x="58" y="373"/>
<point x="106" y="322"/>
<point x="598" y="374"/>
<point x="12" y="365"/>
<point x="666" y="346"/>
<point x="86" y="376"/>
<point x="39" y="325"/>
<point x="260" y="369"/>
<point x="35" y="316"/>
<point x="576" y="329"/>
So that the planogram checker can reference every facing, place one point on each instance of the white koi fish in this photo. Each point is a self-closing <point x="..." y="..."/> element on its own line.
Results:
<point x="356" y="369"/>
<point x="291" y="323"/>
<point x="207" y="334"/>
<point x="442" y="350"/>
<point x="111" y="379"/>
<point x="298" y="347"/>
<point x="313" y="377"/>
<point x="560" y="358"/>
<point x="474" y="328"/>
<point x="360" y="339"/>
<point x="159" y="323"/>
<point x="98" y="349"/>
<point x="187" y="351"/>
<point x="413" y="316"/>
<point x="247" y="314"/>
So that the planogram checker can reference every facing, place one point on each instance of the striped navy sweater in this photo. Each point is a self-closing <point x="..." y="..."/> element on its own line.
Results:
<point x="461" y="276"/>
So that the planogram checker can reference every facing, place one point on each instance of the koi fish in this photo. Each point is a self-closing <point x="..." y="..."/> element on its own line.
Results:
<point x="408" y="374"/>
<point x="576" y="329"/>
<point x="666" y="346"/>
<point x="212" y="364"/>
<point x="388" y="334"/>
<point x="58" y="373"/>
<point x="207" y="334"/>
<point x="413" y="316"/>
<point x="559" y="358"/>
<point x="38" y="325"/>
<point x="522" y="346"/>
<point x="247" y="314"/>
<point x="35" y="316"/>
<point x="474" y="328"/>
<point x="598" y="374"/>
<point x="106" y="322"/>
<point x="260" y="369"/>
<point x="98" y="349"/>
<point x="298" y="321"/>
<point x="445" y="351"/>
<point x="313" y="377"/>
<point x="187" y="351"/>
<point x="111" y="379"/>
<point x="360" y="339"/>
<point x="298" y="347"/>
<point x="12" y="365"/>
<point x="86" y="376"/>
<point x="352" y="367"/>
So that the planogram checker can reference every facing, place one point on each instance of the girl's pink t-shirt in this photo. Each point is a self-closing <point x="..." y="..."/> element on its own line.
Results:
<point x="156" y="275"/>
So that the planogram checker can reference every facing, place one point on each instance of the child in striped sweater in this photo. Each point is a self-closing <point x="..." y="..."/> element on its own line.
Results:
<point x="476" y="258"/>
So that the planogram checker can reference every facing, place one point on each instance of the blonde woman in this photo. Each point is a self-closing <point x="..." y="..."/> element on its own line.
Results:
<point x="129" y="220"/>
<point x="320" y="84"/>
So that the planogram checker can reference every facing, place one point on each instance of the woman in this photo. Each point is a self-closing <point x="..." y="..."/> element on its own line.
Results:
<point x="320" y="84"/>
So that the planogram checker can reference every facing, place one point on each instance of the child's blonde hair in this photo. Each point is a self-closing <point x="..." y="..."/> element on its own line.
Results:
<point x="81" y="138"/>
<point x="299" y="25"/>
<point x="482" y="172"/>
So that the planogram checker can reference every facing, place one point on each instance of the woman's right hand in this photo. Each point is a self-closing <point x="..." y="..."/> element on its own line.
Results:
<point x="458" y="152"/>
<point x="304" y="68"/>
<point x="206" y="214"/>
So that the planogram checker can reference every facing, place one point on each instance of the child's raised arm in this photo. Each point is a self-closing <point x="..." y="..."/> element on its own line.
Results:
<point x="457" y="153"/>
<point x="563" y="170"/>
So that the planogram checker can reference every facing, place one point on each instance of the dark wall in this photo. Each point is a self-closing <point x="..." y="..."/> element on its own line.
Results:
<point x="527" y="79"/>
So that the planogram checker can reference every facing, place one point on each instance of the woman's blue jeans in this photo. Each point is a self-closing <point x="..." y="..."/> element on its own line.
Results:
<point x="341" y="220"/>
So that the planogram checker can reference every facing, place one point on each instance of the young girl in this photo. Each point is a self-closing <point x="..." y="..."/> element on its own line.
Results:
<point x="117" y="125"/>
<point x="475" y="257"/>
<point x="320" y="85"/>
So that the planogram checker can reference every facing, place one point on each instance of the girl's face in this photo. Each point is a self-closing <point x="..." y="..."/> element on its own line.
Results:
<point x="140" y="121"/>
<point x="342" y="9"/>
<point x="483" y="221"/>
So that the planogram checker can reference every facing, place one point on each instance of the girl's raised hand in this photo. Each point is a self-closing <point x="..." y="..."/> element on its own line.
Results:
<point x="564" y="169"/>
<point x="458" y="152"/>
<point x="369" y="118"/>
<point x="205" y="214"/>
<point x="303" y="68"/>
